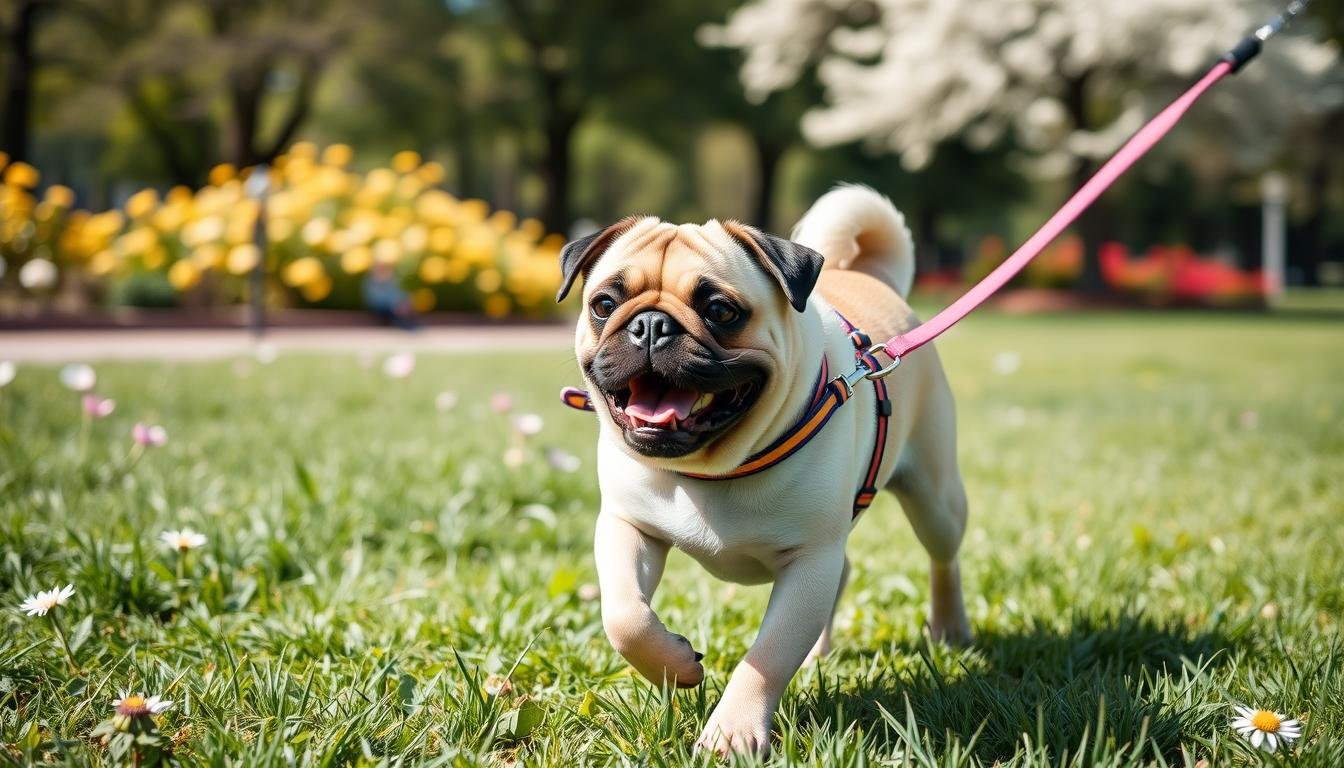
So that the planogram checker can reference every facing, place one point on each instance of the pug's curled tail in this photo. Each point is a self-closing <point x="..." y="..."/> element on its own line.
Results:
<point x="854" y="227"/>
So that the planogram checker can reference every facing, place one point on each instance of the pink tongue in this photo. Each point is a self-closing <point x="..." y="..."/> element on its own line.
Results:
<point x="660" y="406"/>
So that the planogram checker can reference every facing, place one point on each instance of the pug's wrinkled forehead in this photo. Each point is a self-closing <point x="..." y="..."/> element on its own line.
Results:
<point x="644" y="255"/>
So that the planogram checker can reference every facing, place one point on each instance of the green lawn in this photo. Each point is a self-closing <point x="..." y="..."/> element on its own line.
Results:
<point x="1157" y="533"/>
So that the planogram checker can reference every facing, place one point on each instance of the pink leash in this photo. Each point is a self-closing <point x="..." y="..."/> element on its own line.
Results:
<point x="1135" y="148"/>
<point x="1130" y="153"/>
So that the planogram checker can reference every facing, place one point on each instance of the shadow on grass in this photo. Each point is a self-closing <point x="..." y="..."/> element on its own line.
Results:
<point x="1126" y="677"/>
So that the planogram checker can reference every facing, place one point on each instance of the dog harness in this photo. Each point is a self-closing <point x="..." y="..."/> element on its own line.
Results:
<point x="828" y="395"/>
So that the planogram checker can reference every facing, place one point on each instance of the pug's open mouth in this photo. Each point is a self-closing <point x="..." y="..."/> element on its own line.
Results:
<point x="666" y="419"/>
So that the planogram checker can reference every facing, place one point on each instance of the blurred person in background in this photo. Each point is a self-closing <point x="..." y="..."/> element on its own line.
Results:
<point x="384" y="296"/>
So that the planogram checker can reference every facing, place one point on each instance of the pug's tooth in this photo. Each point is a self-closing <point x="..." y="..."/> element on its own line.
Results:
<point x="702" y="402"/>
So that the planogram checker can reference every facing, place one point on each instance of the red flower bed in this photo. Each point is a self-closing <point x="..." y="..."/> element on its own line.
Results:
<point x="1177" y="273"/>
<point x="1164" y="274"/>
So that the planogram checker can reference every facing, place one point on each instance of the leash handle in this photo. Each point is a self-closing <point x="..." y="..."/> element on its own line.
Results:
<point x="1250" y="45"/>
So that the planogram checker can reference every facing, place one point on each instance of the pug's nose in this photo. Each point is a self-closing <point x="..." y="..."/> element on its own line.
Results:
<point x="652" y="329"/>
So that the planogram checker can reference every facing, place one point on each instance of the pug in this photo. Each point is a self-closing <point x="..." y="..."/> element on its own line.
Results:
<point x="701" y="347"/>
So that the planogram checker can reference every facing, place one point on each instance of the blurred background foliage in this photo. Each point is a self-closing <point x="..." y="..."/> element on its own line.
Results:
<point x="564" y="116"/>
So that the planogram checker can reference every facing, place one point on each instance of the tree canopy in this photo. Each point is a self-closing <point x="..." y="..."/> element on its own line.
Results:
<point x="962" y="112"/>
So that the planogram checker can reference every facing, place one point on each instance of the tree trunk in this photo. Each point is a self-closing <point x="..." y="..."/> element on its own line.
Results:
<point x="768" y="155"/>
<point x="247" y="89"/>
<point x="1092" y="224"/>
<point x="1093" y="228"/>
<point x="560" y="124"/>
<point x="1318" y="188"/>
<point x="298" y="112"/>
<point x="181" y="170"/>
<point x="244" y="110"/>
<point x="928" y="252"/>
<point x="18" y="86"/>
<point x="459" y="129"/>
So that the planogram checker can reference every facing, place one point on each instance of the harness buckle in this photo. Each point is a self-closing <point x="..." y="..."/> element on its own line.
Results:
<point x="884" y="372"/>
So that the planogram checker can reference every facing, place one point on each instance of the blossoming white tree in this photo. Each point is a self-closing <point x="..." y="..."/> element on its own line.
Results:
<point x="1066" y="80"/>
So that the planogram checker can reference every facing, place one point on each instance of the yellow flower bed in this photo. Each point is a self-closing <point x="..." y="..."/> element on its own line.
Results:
<point x="326" y="227"/>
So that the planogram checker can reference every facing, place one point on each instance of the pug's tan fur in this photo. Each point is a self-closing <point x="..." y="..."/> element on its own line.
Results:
<point x="788" y="524"/>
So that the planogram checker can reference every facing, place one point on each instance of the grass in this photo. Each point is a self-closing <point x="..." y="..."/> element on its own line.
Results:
<point x="1323" y="301"/>
<point x="1157" y="504"/>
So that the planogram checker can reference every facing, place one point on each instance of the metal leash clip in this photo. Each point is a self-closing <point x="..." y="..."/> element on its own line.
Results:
<point x="848" y="380"/>
<point x="882" y="373"/>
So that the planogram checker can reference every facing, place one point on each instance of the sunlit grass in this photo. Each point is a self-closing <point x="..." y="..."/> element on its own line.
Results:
<point x="1157" y="503"/>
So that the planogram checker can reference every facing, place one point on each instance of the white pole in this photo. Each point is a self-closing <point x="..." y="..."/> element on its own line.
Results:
<point x="1273" y="246"/>
<point x="258" y="187"/>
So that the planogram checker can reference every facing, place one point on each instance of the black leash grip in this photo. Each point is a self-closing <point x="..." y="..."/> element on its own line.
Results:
<point x="1244" y="51"/>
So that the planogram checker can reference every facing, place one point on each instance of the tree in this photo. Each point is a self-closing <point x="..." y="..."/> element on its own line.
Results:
<point x="19" y="31"/>
<point x="134" y="58"/>
<point x="634" y="65"/>
<point x="1065" y="79"/>
<point x="564" y="57"/>
<point x="1325" y="148"/>
<point x="692" y="88"/>
<point x="262" y="50"/>
<point x="399" y="83"/>
<point x="195" y="72"/>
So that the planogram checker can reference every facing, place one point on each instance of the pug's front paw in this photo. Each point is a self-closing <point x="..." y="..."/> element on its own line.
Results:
<point x="736" y="730"/>
<point x="656" y="653"/>
<point x="680" y="665"/>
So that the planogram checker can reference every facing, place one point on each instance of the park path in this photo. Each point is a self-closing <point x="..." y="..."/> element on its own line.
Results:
<point x="213" y="344"/>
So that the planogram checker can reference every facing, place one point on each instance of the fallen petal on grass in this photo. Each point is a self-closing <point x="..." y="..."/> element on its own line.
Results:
<point x="148" y="435"/>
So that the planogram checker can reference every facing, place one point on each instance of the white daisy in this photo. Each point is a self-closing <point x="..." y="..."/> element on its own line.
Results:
<point x="79" y="377"/>
<point x="38" y="275"/>
<point x="1007" y="363"/>
<point x="528" y="423"/>
<point x="399" y="366"/>
<point x="39" y="604"/>
<point x="265" y="352"/>
<point x="1265" y="729"/>
<point x="182" y="540"/>
<point x="7" y="372"/>
<point x="562" y="460"/>
<point x="139" y="705"/>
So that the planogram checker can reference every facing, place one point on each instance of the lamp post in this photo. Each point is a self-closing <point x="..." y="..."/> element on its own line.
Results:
<point x="1274" y="198"/>
<point x="258" y="188"/>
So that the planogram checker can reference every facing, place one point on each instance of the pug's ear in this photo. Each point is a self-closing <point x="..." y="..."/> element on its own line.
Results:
<point x="795" y="267"/>
<point x="580" y="255"/>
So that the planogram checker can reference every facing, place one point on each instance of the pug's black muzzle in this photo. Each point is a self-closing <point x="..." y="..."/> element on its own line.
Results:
<point x="670" y="394"/>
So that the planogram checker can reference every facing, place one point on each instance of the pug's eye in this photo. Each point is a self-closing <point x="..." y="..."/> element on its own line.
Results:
<point x="720" y="312"/>
<point x="602" y="307"/>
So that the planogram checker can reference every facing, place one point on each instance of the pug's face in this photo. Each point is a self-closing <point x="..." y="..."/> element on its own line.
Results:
<point x="687" y="331"/>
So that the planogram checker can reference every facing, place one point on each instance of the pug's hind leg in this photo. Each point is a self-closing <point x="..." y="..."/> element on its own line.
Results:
<point x="928" y="484"/>
<point x="823" y="644"/>
<point x="938" y="518"/>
